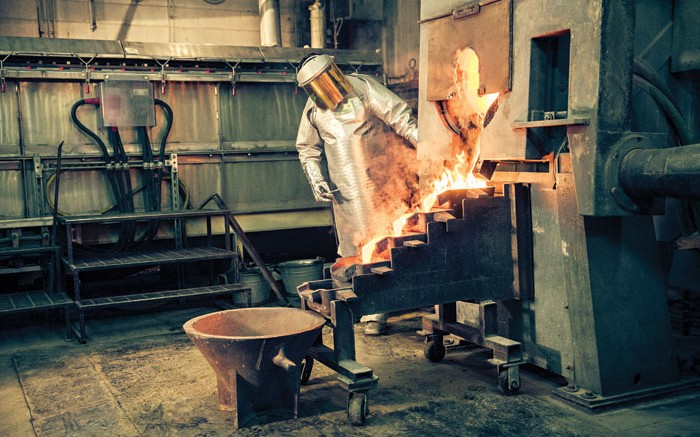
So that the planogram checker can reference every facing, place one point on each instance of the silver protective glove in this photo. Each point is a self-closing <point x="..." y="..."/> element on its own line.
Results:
<point x="322" y="191"/>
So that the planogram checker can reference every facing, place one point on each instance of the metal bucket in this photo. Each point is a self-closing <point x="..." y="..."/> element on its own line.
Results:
<point x="294" y="273"/>
<point x="256" y="355"/>
<point x="259" y="289"/>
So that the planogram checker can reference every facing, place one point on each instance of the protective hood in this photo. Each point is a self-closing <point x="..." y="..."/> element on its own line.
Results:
<point x="323" y="81"/>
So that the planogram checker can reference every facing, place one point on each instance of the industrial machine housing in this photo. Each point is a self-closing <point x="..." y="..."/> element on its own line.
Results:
<point x="587" y="293"/>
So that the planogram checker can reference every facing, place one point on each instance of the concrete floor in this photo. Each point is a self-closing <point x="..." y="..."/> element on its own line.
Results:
<point x="140" y="375"/>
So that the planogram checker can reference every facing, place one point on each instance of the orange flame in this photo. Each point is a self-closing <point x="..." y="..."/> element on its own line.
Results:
<point x="460" y="176"/>
<point x="400" y="222"/>
<point x="369" y="248"/>
<point x="456" y="178"/>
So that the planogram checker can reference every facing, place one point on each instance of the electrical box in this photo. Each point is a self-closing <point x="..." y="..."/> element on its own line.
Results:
<point x="127" y="103"/>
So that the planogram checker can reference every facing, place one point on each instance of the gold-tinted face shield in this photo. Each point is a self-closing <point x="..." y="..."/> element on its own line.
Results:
<point x="324" y="82"/>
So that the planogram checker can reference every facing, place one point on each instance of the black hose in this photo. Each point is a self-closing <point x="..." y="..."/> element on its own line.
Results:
<point x="148" y="192"/>
<point x="169" y="119"/>
<point x="646" y="71"/>
<point x="168" y="112"/>
<point x="87" y="131"/>
<point x="127" y="188"/>
<point x="155" y="176"/>
<point x="672" y="113"/>
<point x="151" y="186"/>
<point x="103" y="148"/>
<point x="126" y="175"/>
<point x="118" y="188"/>
<point x="111" y="176"/>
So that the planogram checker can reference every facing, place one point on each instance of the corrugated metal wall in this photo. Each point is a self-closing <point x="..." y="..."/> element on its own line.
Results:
<point x="241" y="146"/>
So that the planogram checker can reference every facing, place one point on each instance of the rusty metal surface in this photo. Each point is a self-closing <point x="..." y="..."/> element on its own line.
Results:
<point x="256" y="353"/>
<point x="488" y="33"/>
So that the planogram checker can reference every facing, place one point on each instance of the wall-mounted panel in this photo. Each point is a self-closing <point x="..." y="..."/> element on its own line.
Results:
<point x="266" y="185"/>
<point x="9" y="121"/>
<point x="261" y="111"/>
<point x="11" y="194"/>
<point x="195" y="124"/>
<point x="201" y="178"/>
<point x="45" y="108"/>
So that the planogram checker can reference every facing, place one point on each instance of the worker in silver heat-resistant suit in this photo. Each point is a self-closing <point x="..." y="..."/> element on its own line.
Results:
<point x="368" y="137"/>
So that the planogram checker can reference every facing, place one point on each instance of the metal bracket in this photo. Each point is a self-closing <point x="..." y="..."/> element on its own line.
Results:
<point x="2" y="71"/>
<point x="233" y="76"/>
<point x="86" y="72"/>
<point x="163" y="75"/>
<point x="296" y="83"/>
<point x="174" y="183"/>
<point x="38" y="184"/>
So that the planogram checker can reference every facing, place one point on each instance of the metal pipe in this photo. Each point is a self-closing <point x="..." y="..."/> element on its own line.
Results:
<point x="270" y="34"/>
<point x="318" y="25"/>
<point x="672" y="172"/>
<point x="91" y="14"/>
<point x="667" y="106"/>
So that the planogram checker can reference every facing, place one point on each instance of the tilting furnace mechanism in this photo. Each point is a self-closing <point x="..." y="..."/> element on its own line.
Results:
<point x="573" y="243"/>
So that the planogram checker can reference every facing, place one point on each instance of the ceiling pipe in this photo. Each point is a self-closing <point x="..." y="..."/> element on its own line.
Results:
<point x="91" y="12"/>
<point x="318" y="25"/>
<point x="270" y="34"/>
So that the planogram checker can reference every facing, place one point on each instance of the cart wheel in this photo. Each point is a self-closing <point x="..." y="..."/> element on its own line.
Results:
<point x="434" y="350"/>
<point x="506" y="386"/>
<point x="306" y="366"/>
<point x="357" y="408"/>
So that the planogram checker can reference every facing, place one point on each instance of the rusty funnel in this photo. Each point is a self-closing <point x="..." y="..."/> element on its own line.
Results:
<point x="256" y="354"/>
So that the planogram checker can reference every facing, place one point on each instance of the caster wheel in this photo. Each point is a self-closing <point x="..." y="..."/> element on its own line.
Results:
<point x="506" y="386"/>
<point x="306" y="367"/>
<point x="434" y="350"/>
<point x="357" y="408"/>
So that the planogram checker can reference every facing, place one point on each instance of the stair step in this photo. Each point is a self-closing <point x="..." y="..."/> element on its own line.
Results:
<point x="414" y="243"/>
<point x="381" y="270"/>
<point x="212" y="290"/>
<point x="32" y="300"/>
<point x="443" y="217"/>
<point x="148" y="258"/>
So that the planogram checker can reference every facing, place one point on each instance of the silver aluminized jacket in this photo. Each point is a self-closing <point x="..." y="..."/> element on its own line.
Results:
<point x="373" y="168"/>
